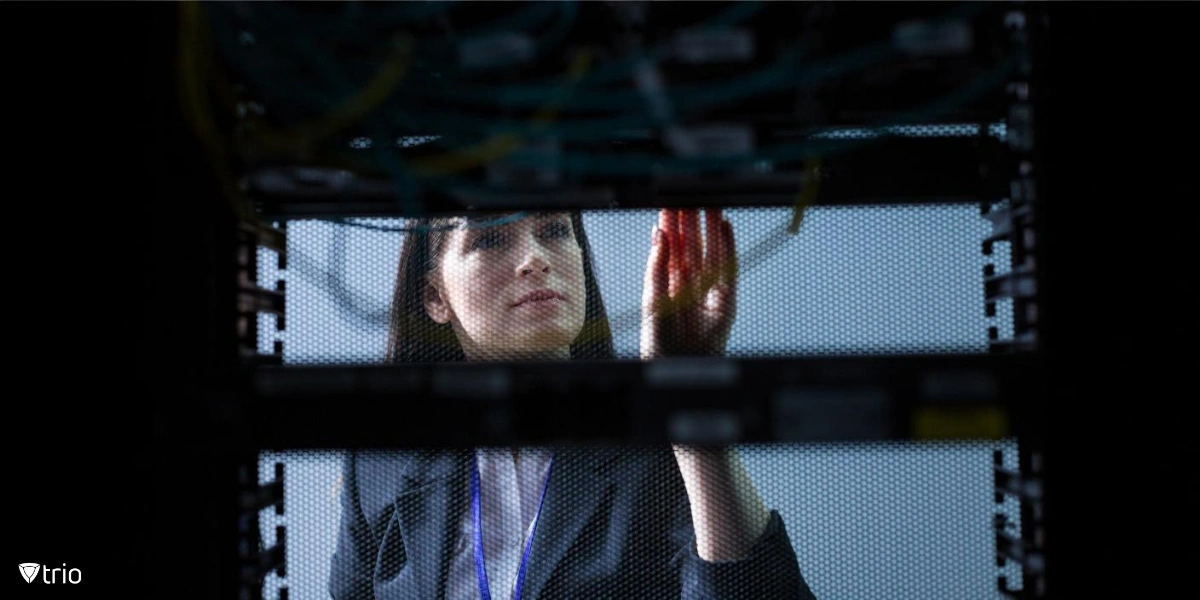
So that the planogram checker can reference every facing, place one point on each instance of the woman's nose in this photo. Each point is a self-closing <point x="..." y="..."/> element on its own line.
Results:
<point x="534" y="257"/>
<point x="534" y="263"/>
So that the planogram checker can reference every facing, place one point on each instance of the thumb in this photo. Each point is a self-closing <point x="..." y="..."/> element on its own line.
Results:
<point x="656" y="281"/>
<point x="654" y="292"/>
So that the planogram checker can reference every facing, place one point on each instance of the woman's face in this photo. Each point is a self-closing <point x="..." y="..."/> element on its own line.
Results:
<point x="485" y="275"/>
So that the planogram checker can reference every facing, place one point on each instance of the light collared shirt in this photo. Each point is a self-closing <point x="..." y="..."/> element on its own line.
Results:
<point x="510" y="491"/>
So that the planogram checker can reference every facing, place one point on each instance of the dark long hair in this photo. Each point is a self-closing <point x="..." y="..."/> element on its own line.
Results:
<point x="414" y="337"/>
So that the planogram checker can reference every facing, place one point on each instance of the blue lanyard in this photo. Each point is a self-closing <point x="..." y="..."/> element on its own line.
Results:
<point x="480" y="572"/>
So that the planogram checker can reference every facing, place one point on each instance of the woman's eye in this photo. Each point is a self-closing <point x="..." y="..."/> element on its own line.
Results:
<point x="495" y="238"/>
<point x="560" y="230"/>
<point x="487" y="240"/>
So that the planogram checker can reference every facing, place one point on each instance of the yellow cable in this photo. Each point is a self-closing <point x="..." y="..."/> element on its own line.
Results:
<point x="301" y="139"/>
<point x="502" y="145"/>
<point x="807" y="193"/>
<point x="196" y="111"/>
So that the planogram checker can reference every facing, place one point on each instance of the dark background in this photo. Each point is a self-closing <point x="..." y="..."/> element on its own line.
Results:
<point x="114" y="233"/>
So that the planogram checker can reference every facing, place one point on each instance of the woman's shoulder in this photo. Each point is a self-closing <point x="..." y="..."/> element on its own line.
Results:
<point x="399" y="469"/>
<point x="622" y="463"/>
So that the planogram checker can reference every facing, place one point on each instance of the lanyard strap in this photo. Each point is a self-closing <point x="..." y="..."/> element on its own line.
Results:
<point x="480" y="572"/>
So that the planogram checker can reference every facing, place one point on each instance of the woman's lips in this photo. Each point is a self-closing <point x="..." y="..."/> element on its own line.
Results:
<point x="537" y="296"/>
<point x="547" y="303"/>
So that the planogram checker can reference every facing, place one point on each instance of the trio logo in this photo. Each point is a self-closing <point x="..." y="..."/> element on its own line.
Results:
<point x="30" y="572"/>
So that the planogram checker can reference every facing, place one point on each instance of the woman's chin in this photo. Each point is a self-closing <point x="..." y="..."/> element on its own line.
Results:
<point x="539" y="343"/>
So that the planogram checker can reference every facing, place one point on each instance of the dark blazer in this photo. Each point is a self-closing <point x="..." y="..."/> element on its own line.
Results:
<point x="615" y="523"/>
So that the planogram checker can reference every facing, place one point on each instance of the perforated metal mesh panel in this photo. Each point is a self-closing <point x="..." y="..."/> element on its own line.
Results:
<point x="864" y="520"/>
<point x="853" y="281"/>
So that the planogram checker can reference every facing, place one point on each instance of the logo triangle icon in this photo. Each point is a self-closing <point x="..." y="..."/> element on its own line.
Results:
<point x="29" y="571"/>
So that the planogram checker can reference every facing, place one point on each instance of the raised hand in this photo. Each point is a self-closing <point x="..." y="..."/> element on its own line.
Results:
<point x="689" y="295"/>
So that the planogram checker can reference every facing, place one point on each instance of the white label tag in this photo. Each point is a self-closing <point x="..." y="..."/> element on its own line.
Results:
<point x="698" y="46"/>
<point x="711" y="140"/>
<point x="925" y="38"/>
<point x="506" y="48"/>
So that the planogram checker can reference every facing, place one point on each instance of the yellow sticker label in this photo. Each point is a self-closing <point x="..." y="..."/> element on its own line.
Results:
<point x="932" y="423"/>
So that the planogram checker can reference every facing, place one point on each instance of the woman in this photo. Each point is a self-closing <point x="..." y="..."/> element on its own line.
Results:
<point x="562" y="522"/>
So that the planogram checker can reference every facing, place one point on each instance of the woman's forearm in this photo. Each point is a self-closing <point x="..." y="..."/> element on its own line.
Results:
<point x="727" y="512"/>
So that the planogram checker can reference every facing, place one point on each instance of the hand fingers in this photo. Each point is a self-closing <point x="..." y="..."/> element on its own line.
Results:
<point x="726" y="297"/>
<point x="729" y="274"/>
<point x="668" y="222"/>
<point x="692" y="248"/>
<point x="655" y="300"/>
<point x="655" y="284"/>
<point x="722" y="297"/>
<point x="714" y="243"/>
